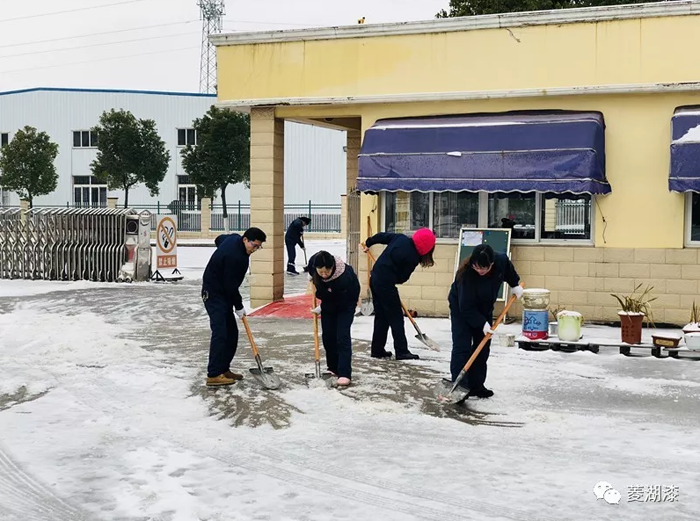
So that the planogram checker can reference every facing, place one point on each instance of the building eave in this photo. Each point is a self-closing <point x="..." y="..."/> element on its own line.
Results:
<point x="468" y="23"/>
<point x="618" y="89"/>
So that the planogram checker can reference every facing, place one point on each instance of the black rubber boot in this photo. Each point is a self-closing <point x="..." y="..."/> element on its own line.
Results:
<point x="407" y="356"/>
<point x="481" y="393"/>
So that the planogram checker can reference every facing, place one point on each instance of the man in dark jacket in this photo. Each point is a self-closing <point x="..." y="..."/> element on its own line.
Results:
<point x="222" y="279"/>
<point x="294" y="236"/>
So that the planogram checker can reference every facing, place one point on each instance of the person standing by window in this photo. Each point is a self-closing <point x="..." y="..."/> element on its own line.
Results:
<point x="472" y="298"/>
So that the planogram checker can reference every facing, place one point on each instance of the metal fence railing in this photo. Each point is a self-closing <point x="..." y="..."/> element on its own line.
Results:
<point x="325" y="218"/>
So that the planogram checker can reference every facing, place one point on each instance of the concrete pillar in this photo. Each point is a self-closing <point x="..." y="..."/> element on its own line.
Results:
<point x="112" y="202"/>
<point x="205" y="219"/>
<point x="267" y="204"/>
<point x="353" y="151"/>
<point x="344" y="216"/>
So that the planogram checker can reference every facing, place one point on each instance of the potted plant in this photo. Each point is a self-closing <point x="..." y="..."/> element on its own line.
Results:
<point x="635" y="309"/>
<point x="691" y="330"/>
<point x="553" y="324"/>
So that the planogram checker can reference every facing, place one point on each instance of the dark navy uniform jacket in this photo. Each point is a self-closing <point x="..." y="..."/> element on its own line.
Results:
<point x="473" y="298"/>
<point x="340" y="294"/>
<point x="294" y="233"/>
<point x="397" y="262"/>
<point x="226" y="270"/>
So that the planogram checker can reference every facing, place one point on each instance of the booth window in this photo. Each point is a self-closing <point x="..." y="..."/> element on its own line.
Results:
<point x="532" y="217"/>
<point x="692" y="218"/>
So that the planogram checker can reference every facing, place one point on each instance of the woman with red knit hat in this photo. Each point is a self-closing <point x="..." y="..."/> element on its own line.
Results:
<point x="394" y="266"/>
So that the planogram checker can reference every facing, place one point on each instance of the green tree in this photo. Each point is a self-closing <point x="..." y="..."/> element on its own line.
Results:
<point x="222" y="154"/>
<point x="476" y="7"/>
<point x="27" y="164"/>
<point x="129" y="151"/>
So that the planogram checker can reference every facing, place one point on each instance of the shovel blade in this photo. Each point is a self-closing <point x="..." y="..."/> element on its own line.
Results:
<point x="266" y="377"/>
<point x="445" y="394"/>
<point x="430" y="344"/>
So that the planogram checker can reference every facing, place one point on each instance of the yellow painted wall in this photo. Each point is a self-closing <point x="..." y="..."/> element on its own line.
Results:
<point x="611" y="52"/>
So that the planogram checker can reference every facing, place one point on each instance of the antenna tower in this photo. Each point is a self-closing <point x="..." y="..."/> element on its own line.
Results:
<point x="212" y="13"/>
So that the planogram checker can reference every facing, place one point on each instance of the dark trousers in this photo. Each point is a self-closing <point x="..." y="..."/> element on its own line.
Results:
<point x="387" y="314"/>
<point x="224" y="334"/>
<point x="464" y="342"/>
<point x="291" y="254"/>
<point x="337" y="342"/>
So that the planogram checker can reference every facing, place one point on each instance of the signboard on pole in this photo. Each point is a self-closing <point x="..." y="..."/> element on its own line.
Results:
<point x="166" y="242"/>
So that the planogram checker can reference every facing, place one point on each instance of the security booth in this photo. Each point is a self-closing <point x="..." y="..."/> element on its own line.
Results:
<point x="558" y="133"/>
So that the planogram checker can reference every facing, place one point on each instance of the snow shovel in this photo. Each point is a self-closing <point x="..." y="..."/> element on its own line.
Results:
<point x="367" y="306"/>
<point x="264" y="375"/>
<point x="446" y="391"/>
<point x="317" y="350"/>
<point x="431" y="344"/>
<point x="422" y="337"/>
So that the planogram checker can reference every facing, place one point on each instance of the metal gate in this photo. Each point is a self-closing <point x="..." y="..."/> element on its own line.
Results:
<point x="64" y="243"/>
<point x="353" y="227"/>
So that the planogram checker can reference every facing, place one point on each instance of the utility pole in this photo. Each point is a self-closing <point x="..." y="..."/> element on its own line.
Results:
<point x="212" y="13"/>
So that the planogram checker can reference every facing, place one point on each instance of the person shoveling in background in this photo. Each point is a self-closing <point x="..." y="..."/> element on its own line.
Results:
<point x="338" y="289"/>
<point x="395" y="266"/>
<point x="222" y="279"/>
<point x="472" y="298"/>
<point x="294" y="236"/>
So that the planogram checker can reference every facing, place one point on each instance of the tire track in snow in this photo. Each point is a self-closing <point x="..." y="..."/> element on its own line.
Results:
<point x="410" y="489"/>
<point x="28" y="498"/>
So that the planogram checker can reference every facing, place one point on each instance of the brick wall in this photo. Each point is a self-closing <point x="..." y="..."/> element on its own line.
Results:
<point x="580" y="278"/>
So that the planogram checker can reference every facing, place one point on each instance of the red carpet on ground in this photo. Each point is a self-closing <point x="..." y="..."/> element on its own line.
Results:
<point x="295" y="306"/>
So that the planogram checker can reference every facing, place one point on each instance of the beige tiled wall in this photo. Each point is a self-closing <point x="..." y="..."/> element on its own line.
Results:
<point x="580" y="278"/>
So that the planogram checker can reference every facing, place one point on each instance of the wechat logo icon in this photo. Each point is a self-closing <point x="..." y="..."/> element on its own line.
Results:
<point x="605" y="491"/>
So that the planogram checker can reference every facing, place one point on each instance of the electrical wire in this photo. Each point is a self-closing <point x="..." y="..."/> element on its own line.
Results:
<point x="99" y="60"/>
<point x="51" y="40"/>
<point x="32" y="53"/>
<point x="41" y="15"/>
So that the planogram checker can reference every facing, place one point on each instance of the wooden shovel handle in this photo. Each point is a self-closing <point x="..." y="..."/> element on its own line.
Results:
<point x="250" y="335"/>
<point x="317" y="351"/>
<point x="487" y="337"/>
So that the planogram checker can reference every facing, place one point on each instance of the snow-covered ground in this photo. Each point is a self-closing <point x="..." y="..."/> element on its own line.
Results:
<point x="103" y="415"/>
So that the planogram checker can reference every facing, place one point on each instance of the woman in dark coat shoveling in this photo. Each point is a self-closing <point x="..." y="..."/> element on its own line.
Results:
<point x="338" y="289"/>
<point x="472" y="298"/>
<point x="394" y="266"/>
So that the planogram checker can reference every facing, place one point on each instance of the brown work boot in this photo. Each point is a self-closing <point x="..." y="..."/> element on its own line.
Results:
<point x="233" y="376"/>
<point x="222" y="379"/>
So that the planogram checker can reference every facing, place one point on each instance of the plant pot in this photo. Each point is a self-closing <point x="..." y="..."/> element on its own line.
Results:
<point x="692" y="341"/>
<point x="691" y="328"/>
<point x="666" y="340"/>
<point x="631" y="327"/>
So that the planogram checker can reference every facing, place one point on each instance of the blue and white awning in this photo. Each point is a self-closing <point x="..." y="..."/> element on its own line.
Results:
<point x="513" y="152"/>
<point x="684" y="175"/>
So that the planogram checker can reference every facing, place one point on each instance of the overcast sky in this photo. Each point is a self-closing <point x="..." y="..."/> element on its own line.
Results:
<point x="114" y="44"/>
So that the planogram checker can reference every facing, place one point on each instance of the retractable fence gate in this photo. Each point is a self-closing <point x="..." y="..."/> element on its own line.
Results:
<point x="98" y="244"/>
